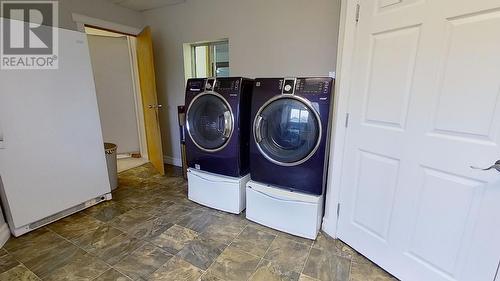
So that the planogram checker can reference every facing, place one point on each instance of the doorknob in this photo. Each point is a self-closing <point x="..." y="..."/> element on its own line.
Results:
<point x="159" y="106"/>
<point x="150" y="106"/>
<point x="496" y="166"/>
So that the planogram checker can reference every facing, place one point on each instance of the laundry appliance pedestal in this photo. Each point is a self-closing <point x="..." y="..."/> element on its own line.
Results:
<point x="217" y="191"/>
<point x="292" y="212"/>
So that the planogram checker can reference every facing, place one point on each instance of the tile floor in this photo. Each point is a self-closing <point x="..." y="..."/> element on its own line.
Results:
<point x="151" y="231"/>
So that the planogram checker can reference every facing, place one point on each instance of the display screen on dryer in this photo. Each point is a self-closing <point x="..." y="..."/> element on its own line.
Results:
<point x="225" y="84"/>
<point x="195" y="86"/>
<point x="313" y="87"/>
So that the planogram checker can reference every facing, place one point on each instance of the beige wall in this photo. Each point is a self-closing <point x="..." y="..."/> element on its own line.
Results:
<point x="115" y="91"/>
<point x="266" y="38"/>
<point x="100" y="9"/>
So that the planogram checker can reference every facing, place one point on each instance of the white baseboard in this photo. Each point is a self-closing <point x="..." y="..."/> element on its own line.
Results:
<point x="172" y="161"/>
<point x="4" y="234"/>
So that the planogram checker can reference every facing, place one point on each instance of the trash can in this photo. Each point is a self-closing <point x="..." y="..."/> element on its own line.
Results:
<point x="110" y="150"/>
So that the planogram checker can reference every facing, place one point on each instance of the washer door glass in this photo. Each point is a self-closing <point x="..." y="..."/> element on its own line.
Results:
<point x="287" y="131"/>
<point x="209" y="122"/>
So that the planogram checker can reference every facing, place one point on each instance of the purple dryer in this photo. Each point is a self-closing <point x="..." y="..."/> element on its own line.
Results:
<point x="291" y="126"/>
<point x="218" y="125"/>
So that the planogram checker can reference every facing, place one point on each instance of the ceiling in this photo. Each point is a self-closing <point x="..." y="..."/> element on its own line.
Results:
<point x="144" y="5"/>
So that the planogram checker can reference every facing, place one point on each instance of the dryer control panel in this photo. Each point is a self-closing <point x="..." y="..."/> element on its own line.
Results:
<point x="227" y="84"/>
<point x="195" y="85"/>
<point x="316" y="86"/>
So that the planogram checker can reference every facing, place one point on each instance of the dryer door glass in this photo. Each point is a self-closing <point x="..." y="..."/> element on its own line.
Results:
<point x="287" y="131"/>
<point x="210" y="122"/>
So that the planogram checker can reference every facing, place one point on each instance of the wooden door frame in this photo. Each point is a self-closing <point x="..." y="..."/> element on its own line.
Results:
<point x="346" y="44"/>
<point x="82" y="21"/>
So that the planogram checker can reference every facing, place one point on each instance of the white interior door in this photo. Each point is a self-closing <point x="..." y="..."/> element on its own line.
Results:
<point x="424" y="107"/>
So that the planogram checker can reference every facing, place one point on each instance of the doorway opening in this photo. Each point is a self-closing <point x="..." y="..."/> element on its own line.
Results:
<point x="115" y="68"/>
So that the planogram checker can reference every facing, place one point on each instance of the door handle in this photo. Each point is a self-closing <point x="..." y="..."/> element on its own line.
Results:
<point x="228" y="124"/>
<point x="159" y="106"/>
<point x="258" y="134"/>
<point x="495" y="166"/>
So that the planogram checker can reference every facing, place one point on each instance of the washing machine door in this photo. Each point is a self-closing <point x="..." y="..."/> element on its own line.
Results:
<point x="287" y="130"/>
<point x="210" y="121"/>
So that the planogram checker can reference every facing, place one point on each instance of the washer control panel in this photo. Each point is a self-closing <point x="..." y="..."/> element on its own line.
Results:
<point x="227" y="84"/>
<point x="195" y="85"/>
<point x="316" y="86"/>
<point x="288" y="86"/>
<point x="210" y="85"/>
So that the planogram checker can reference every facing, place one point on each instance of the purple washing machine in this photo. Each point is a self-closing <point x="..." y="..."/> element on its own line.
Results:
<point x="290" y="132"/>
<point x="289" y="153"/>
<point x="217" y="139"/>
<point x="218" y="125"/>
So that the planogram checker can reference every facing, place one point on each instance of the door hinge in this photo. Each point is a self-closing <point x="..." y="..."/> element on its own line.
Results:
<point x="338" y="210"/>
<point x="347" y="120"/>
<point x="358" y="7"/>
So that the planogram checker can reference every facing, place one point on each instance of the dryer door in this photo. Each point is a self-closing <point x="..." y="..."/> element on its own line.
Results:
<point x="210" y="121"/>
<point x="287" y="130"/>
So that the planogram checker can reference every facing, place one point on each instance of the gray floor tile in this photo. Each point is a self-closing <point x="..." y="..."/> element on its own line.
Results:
<point x="174" y="212"/>
<point x="234" y="264"/>
<point x="327" y="266"/>
<point x="75" y="225"/>
<point x="129" y="219"/>
<point x="150" y="228"/>
<point x="339" y="248"/>
<point x="118" y="248"/>
<point x="176" y="269"/>
<point x="223" y="232"/>
<point x="306" y="278"/>
<point x="201" y="252"/>
<point x="98" y="238"/>
<point x="151" y="231"/>
<point x="269" y="271"/>
<point x="107" y="211"/>
<point x="112" y="275"/>
<point x="174" y="238"/>
<point x="33" y="244"/>
<point x="208" y="276"/>
<point x="288" y="254"/>
<point x="141" y="263"/>
<point x="254" y="241"/>
<point x="18" y="273"/>
<point x="82" y="267"/>
<point x="367" y="271"/>
<point x="7" y="261"/>
<point x="198" y="220"/>
<point x="53" y="259"/>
